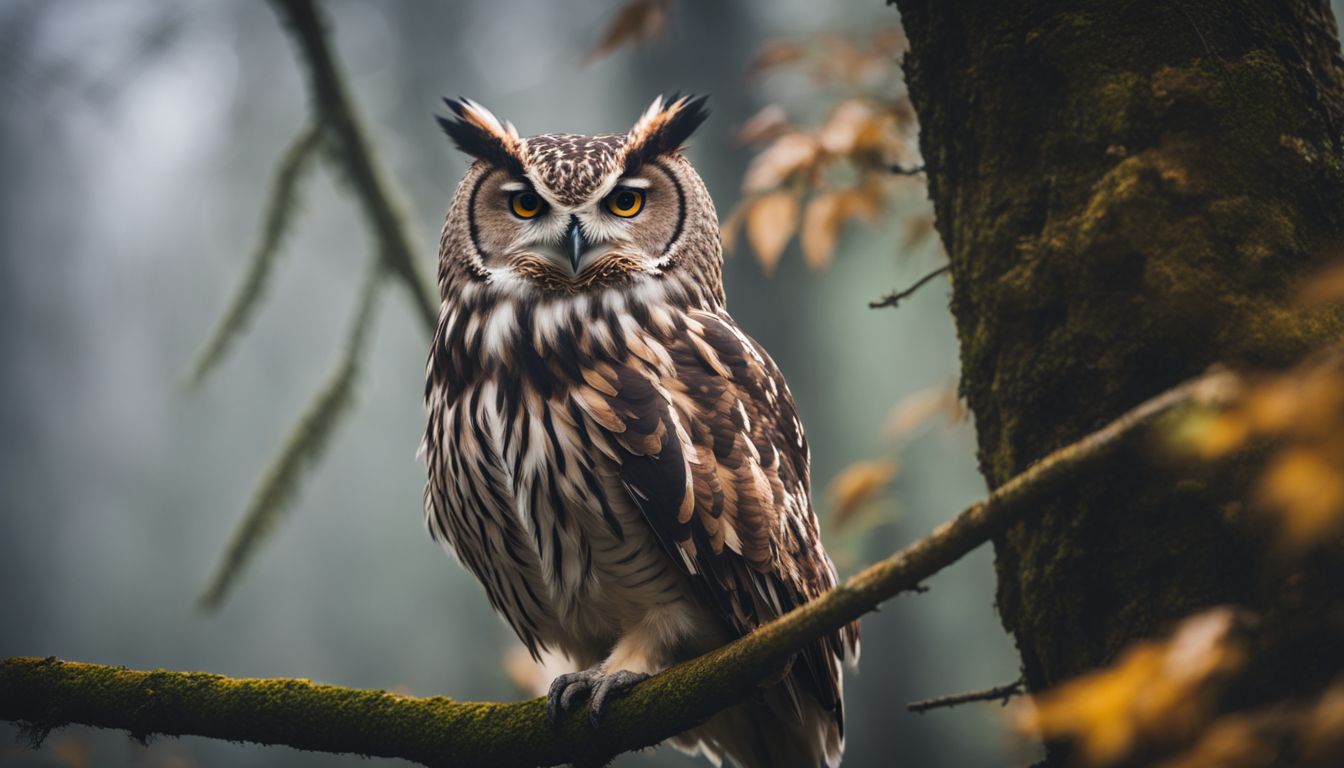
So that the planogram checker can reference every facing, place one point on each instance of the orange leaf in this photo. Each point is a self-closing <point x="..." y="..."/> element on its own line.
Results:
<point x="855" y="486"/>
<point x="771" y="221"/>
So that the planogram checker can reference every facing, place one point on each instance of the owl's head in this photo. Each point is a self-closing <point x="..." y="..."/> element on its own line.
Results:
<point x="567" y="214"/>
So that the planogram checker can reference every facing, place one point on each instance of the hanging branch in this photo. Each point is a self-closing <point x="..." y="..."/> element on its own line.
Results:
<point x="305" y="444"/>
<point x="281" y="206"/>
<point x="335" y="128"/>
<point x="46" y="693"/>
<point x="352" y="152"/>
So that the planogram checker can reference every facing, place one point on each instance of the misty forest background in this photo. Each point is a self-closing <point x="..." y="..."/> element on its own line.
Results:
<point x="137" y="144"/>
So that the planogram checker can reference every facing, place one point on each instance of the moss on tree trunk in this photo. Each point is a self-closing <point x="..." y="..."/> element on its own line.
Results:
<point x="1129" y="192"/>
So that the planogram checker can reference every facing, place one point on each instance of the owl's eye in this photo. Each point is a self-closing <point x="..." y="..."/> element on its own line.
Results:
<point x="625" y="202"/>
<point x="525" y="204"/>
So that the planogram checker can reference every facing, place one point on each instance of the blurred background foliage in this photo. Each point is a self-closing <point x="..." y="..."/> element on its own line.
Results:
<point x="139" y="141"/>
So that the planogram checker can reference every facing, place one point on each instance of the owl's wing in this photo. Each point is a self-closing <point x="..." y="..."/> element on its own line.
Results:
<point x="712" y="451"/>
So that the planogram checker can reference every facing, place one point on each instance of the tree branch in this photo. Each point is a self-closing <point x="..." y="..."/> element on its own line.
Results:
<point x="896" y="297"/>
<point x="1001" y="693"/>
<point x="352" y="152"/>
<point x="46" y="693"/>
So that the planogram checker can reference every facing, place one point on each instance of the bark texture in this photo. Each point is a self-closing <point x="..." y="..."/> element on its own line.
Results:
<point x="1129" y="192"/>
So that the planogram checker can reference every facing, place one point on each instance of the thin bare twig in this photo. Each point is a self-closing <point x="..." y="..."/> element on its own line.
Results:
<point x="46" y="694"/>
<point x="999" y="693"/>
<point x="892" y="299"/>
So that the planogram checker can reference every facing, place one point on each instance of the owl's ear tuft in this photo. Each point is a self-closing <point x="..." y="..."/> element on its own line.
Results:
<point x="663" y="128"/>
<point x="476" y="131"/>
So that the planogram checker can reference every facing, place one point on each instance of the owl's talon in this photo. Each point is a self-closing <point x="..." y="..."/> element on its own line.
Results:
<point x="566" y="691"/>
<point x="616" y="684"/>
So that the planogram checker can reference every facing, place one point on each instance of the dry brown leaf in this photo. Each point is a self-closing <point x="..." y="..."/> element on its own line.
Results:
<point x="775" y="55"/>
<point x="857" y="485"/>
<point x="638" y="21"/>
<point x="918" y="408"/>
<point x="849" y="120"/>
<point x="822" y="222"/>
<point x="770" y="122"/>
<point x="771" y="221"/>
<point x="825" y="219"/>
<point x="786" y="156"/>
<point x="1158" y="692"/>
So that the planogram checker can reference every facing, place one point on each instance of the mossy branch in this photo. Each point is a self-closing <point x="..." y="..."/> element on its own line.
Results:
<point x="305" y="443"/>
<point x="281" y="206"/>
<point x="354" y="155"/>
<point x="46" y="693"/>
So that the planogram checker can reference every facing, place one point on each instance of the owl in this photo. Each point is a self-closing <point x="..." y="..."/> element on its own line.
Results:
<point x="615" y="460"/>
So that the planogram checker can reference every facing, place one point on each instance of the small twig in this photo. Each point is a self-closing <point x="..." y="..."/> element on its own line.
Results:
<point x="999" y="693"/>
<point x="901" y="170"/>
<point x="892" y="299"/>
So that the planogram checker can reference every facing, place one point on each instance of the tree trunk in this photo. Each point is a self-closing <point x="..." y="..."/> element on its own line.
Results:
<point x="1129" y="192"/>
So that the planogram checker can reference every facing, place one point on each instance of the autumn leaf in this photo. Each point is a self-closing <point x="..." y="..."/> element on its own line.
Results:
<point x="637" y="22"/>
<point x="825" y="218"/>
<point x="855" y="486"/>
<point x="847" y="122"/>
<point x="771" y="220"/>
<point x="769" y="123"/>
<point x="775" y="55"/>
<point x="787" y="155"/>
<point x="1158" y="692"/>
<point x="918" y="408"/>
<point x="1307" y="492"/>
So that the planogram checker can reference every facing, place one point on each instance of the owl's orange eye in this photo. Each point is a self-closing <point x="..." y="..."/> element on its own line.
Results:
<point x="625" y="202"/>
<point x="526" y="204"/>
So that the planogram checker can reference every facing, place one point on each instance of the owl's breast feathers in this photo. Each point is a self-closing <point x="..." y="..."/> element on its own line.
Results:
<point x="698" y="425"/>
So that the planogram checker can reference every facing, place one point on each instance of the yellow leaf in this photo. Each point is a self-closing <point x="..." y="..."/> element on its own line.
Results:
<point x="1158" y="692"/>
<point x="789" y="154"/>
<point x="855" y="486"/>
<point x="771" y="221"/>
<point x="638" y="21"/>
<point x="1307" y="491"/>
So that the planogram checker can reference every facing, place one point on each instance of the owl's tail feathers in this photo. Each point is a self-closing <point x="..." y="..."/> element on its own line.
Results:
<point x="765" y="732"/>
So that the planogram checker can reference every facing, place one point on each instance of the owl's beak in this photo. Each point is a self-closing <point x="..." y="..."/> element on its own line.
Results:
<point x="577" y="243"/>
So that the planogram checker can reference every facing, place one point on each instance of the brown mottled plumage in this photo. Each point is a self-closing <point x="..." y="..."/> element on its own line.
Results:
<point x="616" y="461"/>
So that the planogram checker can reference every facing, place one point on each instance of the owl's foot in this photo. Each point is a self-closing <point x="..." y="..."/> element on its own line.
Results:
<point x="567" y="690"/>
